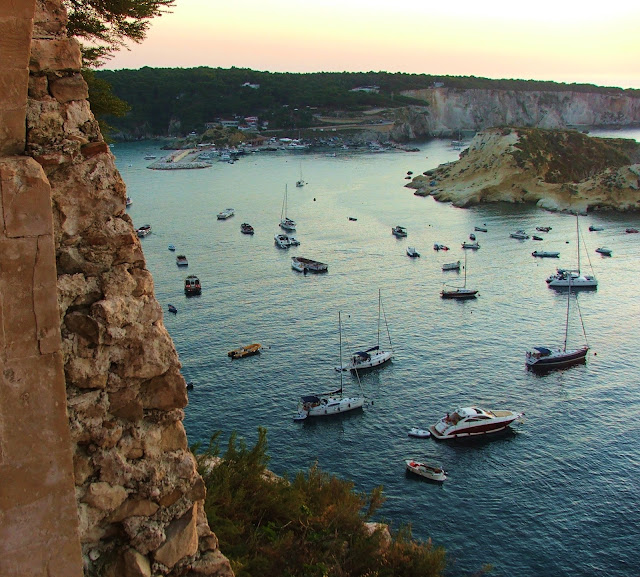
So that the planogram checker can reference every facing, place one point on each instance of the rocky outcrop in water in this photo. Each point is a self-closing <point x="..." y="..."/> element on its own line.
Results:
<point x="557" y="170"/>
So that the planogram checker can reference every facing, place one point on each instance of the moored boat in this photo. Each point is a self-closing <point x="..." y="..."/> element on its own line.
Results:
<point x="399" y="231"/>
<point x="412" y="252"/>
<point x="172" y="247"/>
<point x="302" y="264"/>
<point x="172" y="309"/>
<point x="451" y="265"/>
<point x="226" y="213"/>
<point x="246" y="228"/>
<point x="181" y="260"/>
<point x="604" y="251"/>
<point x="144" y="230"/>
<point x="431" y="472"/>
<point x="285" y="240"/>
<point x="543" y="228"/>
<point x="128" y="202"/>
<point x="479" y="229"/>
<point x="438" y="246"/>
<point x="631" y="230"/>
<point x="472" y="245"/>
<point x="471" y="422"/>
<point x="192" y="285"/>
<point x="545" y="254"/>
<point x="567" y="278"/>
<point x="418" y="433"/>
<point x="519" y="234"/>
<point x="245" y="351"/>
<point x="593" y="228"/>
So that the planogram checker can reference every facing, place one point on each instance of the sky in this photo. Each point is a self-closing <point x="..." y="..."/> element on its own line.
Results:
<point x="561" y="40"/>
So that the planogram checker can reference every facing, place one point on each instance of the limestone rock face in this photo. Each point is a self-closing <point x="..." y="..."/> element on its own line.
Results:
<point x="558" y="170"/>
<point x="136" y="481"/>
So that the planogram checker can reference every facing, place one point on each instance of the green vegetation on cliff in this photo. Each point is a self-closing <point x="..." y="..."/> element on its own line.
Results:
<point x="562" y="156"/>
<point x="311" y="526"/>
<point x="186" y="99"/>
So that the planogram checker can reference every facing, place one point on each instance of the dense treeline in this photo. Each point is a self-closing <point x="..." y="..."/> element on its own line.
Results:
<point x="187" y="98"/>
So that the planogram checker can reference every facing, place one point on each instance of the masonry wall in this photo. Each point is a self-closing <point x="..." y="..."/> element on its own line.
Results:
<point x="95" y="473"/>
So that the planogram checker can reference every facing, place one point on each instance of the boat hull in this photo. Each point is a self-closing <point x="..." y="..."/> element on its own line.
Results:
<point x="460" y="294"/>
<point x="374" y="360"/>
<point x="426" y="471"/>
<point x="447" y="428"/>
<point x="558" y="359"/>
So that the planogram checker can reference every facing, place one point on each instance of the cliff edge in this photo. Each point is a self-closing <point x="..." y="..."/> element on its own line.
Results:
<point x="555" y="169"/>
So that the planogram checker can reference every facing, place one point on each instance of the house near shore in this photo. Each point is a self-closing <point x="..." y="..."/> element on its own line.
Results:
<point x="373" y="89"/>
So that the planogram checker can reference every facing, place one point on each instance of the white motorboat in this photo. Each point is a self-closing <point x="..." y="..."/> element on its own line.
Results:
<point x="451" y="265"/>
<point x="373" y="356"/>
<point x="519" y="234"/>
<point x="544" y="358"/>
<point x="226" y="213"/>
<point x="431" y="472"/>
<point x="332" y="403"/>
<point x="412" y="252"/>
<point x="285" y="240"/>
<point x="472" y="245"/>
<point x="418" y="433"/>
<point x="438" y="246"/>
<point x="543" y="228"/>
<point x="128" y="202"/>
<point x="567" y="278"/>
<point x="545" y="254"/>
<point x="399" y="231"/>
<point x="593" y="228"/>
<point x="144" y="230"/>
<point x="307" y="265"/>
<point x="604" y="251"/>
<point x="285" y="222"/>
<point x="472" y="421"/>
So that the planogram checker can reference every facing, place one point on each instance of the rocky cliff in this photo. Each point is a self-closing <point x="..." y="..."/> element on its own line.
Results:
<point x="557" y="169"/>
<point x="449" y="110"/>
<point x="138" y="503"/>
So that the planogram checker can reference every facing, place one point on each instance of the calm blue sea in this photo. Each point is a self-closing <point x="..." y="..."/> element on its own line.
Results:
<point x="558" y="495"/>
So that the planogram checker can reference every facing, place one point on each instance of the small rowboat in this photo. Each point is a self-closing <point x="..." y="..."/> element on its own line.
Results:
<point x="430" y="472"/>
<point x="247" y="351"/>
<point x="419" y="433"/>
<point x="172" y="309"/>
<point x="604" y="251"/>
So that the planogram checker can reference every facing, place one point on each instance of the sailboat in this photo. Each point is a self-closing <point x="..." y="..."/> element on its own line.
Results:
<point x="460" y="292"/>
<point x="286" y="222"/>
<point x="564" y="278"/>
<point x="374" y="356"/>
<point x="543" y="358"/>
<point x="332" y="403"/>
<point x="300" y="182"/>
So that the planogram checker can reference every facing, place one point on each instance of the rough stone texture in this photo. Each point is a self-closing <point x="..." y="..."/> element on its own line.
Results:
<point x="138" y="497"/>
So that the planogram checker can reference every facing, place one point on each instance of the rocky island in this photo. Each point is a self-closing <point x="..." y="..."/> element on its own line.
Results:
<point x="556" y="169"/>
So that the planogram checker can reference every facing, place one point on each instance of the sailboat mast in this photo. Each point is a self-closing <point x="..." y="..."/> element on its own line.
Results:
<point x="465" y="270"/>
<point x="379" y="303"/>
<point x="566" y="323"/>
<point x="340" y="334"/>
<point x="578" y="236"/>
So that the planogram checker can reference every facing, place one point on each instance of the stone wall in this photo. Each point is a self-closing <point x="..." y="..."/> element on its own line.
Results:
<point x="109" y="487"/>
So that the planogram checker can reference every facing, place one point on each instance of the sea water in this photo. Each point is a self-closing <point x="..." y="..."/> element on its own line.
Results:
<point x="558" y="495"/>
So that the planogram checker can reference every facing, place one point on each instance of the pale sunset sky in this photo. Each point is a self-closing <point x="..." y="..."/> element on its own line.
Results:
<point x="561" y="40"/>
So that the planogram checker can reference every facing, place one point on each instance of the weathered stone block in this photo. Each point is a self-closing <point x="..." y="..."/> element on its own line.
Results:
<point x="125" y="404"/>
<point x="55" y="55"/>
<point x="135" y="564"/>
<point x="93" y="148"/>
<point x="38" y="87"/>
<point x="17" y="8"/>
<point x="173" y="437"/>
<point x="14" y="84"/>
<point x="182" y="540"/>
<point x="166" y="392"/>
<point x="26" y="198"/>
<point x="12" y="131"/>
<point x="45" y="304"/>
<point x="69" y="88"/>
<point x="15" y="36"/>
<point x="104" y="496"/>
<point x="134" y="508"/>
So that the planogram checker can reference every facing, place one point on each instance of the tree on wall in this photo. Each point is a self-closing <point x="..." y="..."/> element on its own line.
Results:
<point x="107" y="25"/>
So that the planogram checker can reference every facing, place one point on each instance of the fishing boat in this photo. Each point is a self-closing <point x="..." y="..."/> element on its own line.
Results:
<point x="399" y="231"/>
<point x="480" y="229"/>
<point x="472" y="245"/>
<point x="564" y="278"/>
<point x="331" y="403"/>
<point x="544" y="358"/>
<point x="438" y="246"/>
<point x="535" y="237"/>
<point x="181" y="260"/>
<point x="305" y="265"/>
<point x="373" y="356"/>
<point x="192" y="285"/>
<point x="412" y="252"/>
<point x="144" y="230"/>
<point x="431" y="472"/>
<point x="285" y="222"/>
<point x="543" y="228"/>
<point x="471" y="422"/>
<point x="226" y="213"/>
<point x="604" y="251"/>
<point x="593" y="228"/>
<point x="460" y="293"/>
<point x="519" y="234"/>
<point x="245" y="351"/>
<point x="246" y="228"/>
<point x="451" y="265"/>
<point x="285" y="240"/>
<point x="172" y="309"/>
<point x="545" y="254"/>
<point x="418" y="433"/>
